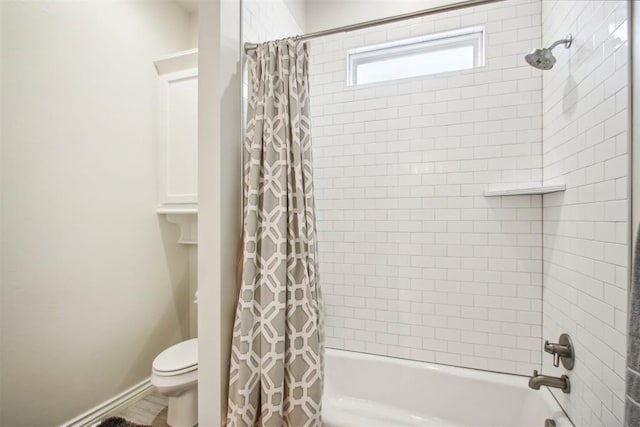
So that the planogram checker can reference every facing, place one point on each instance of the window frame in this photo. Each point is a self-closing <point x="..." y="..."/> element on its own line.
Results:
<point x="471" y="36"/>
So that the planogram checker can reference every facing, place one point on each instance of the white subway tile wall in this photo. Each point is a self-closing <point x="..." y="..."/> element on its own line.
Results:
<point x="586" y="228"/>
<point x="414" y="261"/>
<point x="265" y="20"/>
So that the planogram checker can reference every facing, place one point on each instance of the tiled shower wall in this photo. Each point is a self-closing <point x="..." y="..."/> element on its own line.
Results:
<point x="264" y="20"/>
<point x="414" y="261"/>
<point x="586" y="232"/>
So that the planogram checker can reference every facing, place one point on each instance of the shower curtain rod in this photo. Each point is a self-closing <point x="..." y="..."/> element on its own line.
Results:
<point x="387" y="20"/>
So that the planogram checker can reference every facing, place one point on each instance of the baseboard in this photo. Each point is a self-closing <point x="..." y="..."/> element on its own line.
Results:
<point x="112" y="406"/>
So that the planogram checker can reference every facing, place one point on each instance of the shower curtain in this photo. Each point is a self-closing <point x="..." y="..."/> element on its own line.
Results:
<point x="275" y="377"/>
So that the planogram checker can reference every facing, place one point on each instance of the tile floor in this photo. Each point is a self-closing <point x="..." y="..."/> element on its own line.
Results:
<point x="152" y="410"/>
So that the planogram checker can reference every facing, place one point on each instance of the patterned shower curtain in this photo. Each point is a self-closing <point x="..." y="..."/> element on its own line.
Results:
<point x="275" y="378"/>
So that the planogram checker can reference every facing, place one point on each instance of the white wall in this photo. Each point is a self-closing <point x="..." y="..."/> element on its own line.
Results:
<point x="325" y="14"/>
<point x="93" y="283"/>
<point x="298" y="10"/>
<point x="193" y="29"/>
<point x="414" y="261"/>
<point x="586" y="229"/>
<point x="219" y="85"/>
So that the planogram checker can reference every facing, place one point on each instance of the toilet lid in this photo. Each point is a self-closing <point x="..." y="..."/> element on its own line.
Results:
<point x="178" y="357"/>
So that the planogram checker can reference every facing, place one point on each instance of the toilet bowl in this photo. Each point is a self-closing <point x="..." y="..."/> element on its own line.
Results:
<point x="175" y="374"/>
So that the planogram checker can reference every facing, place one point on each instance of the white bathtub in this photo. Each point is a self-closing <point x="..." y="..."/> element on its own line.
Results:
<point x="363" y="390"/>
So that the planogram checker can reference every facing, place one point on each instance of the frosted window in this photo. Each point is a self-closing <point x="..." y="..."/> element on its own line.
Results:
<point x="433" y="54"/>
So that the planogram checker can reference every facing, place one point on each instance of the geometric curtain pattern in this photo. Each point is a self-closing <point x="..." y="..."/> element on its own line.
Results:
<point x="276" y="371"/>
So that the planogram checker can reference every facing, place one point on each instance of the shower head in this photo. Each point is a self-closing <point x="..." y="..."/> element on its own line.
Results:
<point x="543" y="59"/>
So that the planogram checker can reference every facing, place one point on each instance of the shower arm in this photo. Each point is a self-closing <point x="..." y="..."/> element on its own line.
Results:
<point x="567" y="42"/>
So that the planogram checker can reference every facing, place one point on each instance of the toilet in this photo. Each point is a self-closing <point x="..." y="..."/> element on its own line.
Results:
<point x="175" y="374"/>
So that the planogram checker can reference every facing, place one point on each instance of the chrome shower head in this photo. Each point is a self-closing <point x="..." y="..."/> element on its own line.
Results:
<point x="543" y="59"/>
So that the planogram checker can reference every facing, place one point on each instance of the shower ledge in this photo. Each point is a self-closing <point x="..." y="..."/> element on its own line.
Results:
<point x="519" y="191"/>
<point x="185" y="217"/>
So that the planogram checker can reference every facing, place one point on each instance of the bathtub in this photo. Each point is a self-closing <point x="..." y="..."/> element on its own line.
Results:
<point x="363" y="390"/>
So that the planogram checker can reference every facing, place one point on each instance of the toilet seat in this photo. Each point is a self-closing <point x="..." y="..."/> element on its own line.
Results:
<point x="177" y="359"/>
<point x="174" y="373"/>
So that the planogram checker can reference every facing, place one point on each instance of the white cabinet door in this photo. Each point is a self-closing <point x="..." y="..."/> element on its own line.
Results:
<point x="178" y="137"/>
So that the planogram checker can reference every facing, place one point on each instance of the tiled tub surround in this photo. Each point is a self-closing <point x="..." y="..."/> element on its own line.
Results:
<point x="586" y="228"/>
<point x="264" y="20"/>
<point x="415" y="262"/>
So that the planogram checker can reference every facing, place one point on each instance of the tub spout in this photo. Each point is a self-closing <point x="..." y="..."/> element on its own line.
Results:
<point x="538" y="380"/>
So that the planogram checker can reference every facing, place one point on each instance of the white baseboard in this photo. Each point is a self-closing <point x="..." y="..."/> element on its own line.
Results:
<point x="112" y="406"/>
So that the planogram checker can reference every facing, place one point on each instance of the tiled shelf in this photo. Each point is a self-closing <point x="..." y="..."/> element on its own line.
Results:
<point x="544" y="189"/>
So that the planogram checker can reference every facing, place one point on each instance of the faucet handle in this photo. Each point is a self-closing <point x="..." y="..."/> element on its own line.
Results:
<point x="552" y="349"/>
<point x="561" y="351"/>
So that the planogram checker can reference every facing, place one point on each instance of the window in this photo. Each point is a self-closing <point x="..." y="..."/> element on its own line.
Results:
<point x="436" y="53"/>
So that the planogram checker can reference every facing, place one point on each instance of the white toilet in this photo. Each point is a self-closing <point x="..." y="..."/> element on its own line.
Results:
<point x="175" y="374"/>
